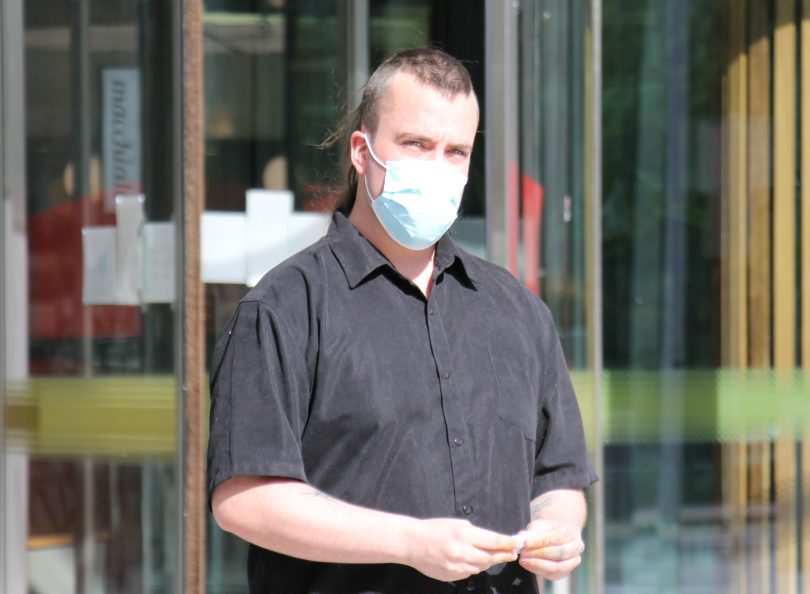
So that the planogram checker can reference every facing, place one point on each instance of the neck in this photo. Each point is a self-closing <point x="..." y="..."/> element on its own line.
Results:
<point x="415" y="265"/>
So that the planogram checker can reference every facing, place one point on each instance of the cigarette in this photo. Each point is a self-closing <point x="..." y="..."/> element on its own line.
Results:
<point x="521" y="538"/>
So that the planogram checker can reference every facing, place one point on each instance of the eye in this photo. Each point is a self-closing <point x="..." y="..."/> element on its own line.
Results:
<point x="459" y="153"/>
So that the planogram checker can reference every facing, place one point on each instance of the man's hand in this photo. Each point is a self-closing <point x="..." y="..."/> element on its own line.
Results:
<point x="298" y="520"/>
<point x="450" y="549"/>
<point x="553" y="549"/>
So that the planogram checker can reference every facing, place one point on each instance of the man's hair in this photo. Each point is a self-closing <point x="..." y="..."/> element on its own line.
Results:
<point x="429" y="66"/>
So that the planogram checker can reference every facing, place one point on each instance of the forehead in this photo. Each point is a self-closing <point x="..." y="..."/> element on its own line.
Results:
<point x="409" y="106"/>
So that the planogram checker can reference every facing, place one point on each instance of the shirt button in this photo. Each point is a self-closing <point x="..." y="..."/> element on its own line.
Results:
<point x="467" y="509"/>
<point x="470" y="585"/>
<point x="431" y="311"/>
<point x="458" y="441"/>
<point x="446" y="374"/>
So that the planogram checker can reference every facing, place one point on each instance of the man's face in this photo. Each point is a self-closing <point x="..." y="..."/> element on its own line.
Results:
<point x="418" y="122"/>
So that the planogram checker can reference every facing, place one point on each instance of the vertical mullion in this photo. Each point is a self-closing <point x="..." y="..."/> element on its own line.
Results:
<point x="733" y="268"/>
<point x="805" y="188"/>
<point x="759" y="272"/>
<point x="191" y="437"/>
<point x="14" y="297"/>
<point x="805" y="259"/>
<point x="3" y="282"/>
<point x="501" y="138"/>
<point x="784" y="207"/>
<point x="759" y="185"/>
<point x="805" y="512"/>
<point x="784" y="280"/>
<point x="734" y="260"/>
<point x="759" y="457"/>
<point x="593" y="169"/>
<point x="354" y="17"/>
<point x="786" y="518"/>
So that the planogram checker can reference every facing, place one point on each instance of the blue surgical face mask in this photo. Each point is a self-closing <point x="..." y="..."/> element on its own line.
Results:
<point x="419" y="201"/>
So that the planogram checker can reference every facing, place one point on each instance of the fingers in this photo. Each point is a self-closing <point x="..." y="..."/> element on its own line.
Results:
<point x="494" y="542"/>
<point x="462" y="561"/>
<point x="449" y="549"/>
<point x="543" y="533"/>
<point x="491" y="548"/>
<point x="561" y="552"/>
<point x="553" y="550"/>
<point x="550" y="570"/>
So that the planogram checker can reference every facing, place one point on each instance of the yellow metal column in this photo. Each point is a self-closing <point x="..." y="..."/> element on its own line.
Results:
<point x="784" y="190"/>
<point x="759" y="502"/>
<point x="805" y="560"/>
<point x="759" y="185"/>
<point x="759" y="280"/>
<point x="785" y="319"/>
<point x="787" y="545"/>
<point x="805" y="182"/>
<point x="734" y="200"/>
<point x="784" y="282"/>
<point x="805" y="275"/>
<point x="733" y="267"/>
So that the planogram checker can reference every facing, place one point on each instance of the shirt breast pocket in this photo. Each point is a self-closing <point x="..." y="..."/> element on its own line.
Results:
<point x="517" y="393"/>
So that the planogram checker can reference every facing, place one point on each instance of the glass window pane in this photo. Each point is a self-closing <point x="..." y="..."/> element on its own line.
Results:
<point x="89" y="297"/>
<point x="274" y="89"/>
<point x="556" y="202"/>
<point x="706" y="417"/>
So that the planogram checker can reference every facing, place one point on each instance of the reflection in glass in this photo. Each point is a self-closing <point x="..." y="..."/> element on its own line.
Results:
<point x="555" y="199"/>
<point x="706" y="440"/>
<point x="89" y="429"/>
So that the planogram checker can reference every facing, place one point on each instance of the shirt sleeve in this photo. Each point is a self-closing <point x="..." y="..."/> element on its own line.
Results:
<point x="561" y="461"/>
<point x="259" y="398"/>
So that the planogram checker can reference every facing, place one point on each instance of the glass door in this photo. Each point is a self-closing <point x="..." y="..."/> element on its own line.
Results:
<point x="552" y="211"/>
<point x="706" y="295"/>
<point x="88" y="372"/>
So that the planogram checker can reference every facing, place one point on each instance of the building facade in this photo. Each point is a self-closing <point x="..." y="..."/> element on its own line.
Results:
<point x="644" y="167"/>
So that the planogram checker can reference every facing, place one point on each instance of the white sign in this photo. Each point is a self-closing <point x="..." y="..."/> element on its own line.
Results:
<point x="129" y="217"/>
<point x="240" y="248"/>
<point x="268" y="215"/>
<point x="223" y="238"/>
<point x="98" y="280"/>
<point x="121" y="129"/>
<point x="158" y="285"/>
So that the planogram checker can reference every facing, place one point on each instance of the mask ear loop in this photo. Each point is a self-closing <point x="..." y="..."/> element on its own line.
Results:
<point x="371" y="150"/>
<point x="380" y="163"/>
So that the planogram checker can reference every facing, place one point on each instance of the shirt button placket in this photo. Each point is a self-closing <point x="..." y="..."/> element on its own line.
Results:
<point x="463" y="477"/>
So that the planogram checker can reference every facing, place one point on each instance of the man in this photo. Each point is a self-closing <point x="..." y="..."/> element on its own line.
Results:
<point x="390" y="413"/>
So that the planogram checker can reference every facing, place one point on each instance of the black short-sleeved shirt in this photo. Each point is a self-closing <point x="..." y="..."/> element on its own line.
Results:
<point x="335" y="370"/>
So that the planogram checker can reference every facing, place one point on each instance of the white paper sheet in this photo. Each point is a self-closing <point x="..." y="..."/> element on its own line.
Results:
<point x="129" y="217"/>
<point x="98" y="250"/>
<point x="240" y="248"/>
<point x="159" y="280"/>
<point x="268" y="214"/>
<point x="224" y="247"/>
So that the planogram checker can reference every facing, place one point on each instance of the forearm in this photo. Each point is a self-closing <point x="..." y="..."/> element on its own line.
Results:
<point x="561" y="505"/>
<point x="296" y="519"/>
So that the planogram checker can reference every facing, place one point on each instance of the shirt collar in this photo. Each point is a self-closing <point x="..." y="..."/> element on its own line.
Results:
<point x="359" y="258"/>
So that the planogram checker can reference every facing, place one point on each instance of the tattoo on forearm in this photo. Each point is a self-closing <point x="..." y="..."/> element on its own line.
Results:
<point x="540" y="504"/>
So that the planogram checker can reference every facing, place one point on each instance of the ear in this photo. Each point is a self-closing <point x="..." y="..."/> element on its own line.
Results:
<point x="359" y="152"/>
